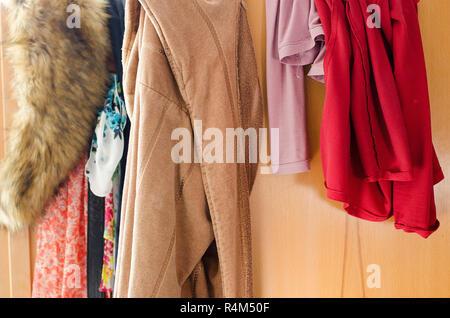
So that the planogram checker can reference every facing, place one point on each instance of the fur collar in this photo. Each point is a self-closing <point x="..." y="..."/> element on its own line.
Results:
<point x="60" y="77"/>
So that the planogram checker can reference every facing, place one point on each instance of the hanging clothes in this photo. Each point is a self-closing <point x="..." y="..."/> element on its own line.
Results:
<point x="377" y="151"/>
<point x="116" y="25"/>
<point x="185" y="229"/>
<point x="117" y="29"/>
<point x="104" y="161"/>
<point x="294" y="39"/>
<point x="109" y="257"/>
<point x="107" y="142"/>
<point x="96" y="214"/>
<point x="95" y="244"/>
<point x="60" y="76"/>
<point x="60" y="265"/>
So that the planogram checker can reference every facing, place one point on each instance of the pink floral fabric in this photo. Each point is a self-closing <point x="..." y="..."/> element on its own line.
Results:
<point x="111" y="210"/>
<point x="61" y="256"/>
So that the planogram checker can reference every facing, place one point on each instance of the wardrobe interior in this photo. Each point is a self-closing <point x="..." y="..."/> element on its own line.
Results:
<point x="305" y="245"/>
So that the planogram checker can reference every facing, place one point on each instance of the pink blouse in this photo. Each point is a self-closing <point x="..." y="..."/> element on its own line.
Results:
<point x="294" y="39"/>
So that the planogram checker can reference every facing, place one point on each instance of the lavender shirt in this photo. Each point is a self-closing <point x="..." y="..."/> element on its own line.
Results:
<point x="294" y="38"/>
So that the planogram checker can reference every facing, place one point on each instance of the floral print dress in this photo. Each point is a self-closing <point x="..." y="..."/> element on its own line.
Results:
<point x="111" y="211"/>
<point x="60" y="267"/>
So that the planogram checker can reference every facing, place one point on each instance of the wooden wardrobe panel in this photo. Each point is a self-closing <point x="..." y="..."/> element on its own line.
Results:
<point x="20" y="269"/>
<point x="15" y="250"/>
<point x="4" y="265"/>
<point x="298" y="244"/>
<point x="4" y="250"/>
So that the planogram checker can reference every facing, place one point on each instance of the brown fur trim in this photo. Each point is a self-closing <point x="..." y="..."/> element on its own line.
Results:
<point x="60" y="78"/>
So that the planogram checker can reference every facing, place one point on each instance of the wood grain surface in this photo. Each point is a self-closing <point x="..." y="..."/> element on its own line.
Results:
<point x="305" y="245"/>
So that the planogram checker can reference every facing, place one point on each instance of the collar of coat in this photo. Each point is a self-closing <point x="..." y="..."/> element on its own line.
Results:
<point x="58" y="51"/>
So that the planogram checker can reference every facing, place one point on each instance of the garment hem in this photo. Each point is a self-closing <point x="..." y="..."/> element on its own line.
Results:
<point x="295" y="49"/>
<point x="291" y="167"/>
<point x="438" y="176"/>
<point x="364" y="214"/>
<point x="390" y="176"/>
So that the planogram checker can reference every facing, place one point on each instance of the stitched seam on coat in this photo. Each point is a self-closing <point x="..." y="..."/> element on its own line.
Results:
<point x="176" y="71"/>
<point x="213" y="209"/>
<point x="242" y="224"/>
<point x="183" y="182"/>
<point x="163" y="271"/>
<point x="219" y="48"/>
<point x="195" y="279"/>
<point x="212" y="212"/>
<point x="243" y="177"/>
<point x="161" y="94"/>
<point x="153" y="142"/>
<point x="204" y="172"/>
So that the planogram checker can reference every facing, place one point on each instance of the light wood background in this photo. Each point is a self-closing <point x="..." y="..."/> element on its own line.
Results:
<point x="304" y="244"/>
<point x="15" y="251"/>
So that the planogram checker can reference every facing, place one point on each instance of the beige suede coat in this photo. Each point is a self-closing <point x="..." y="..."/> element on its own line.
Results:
<point x="185" y="229"/>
